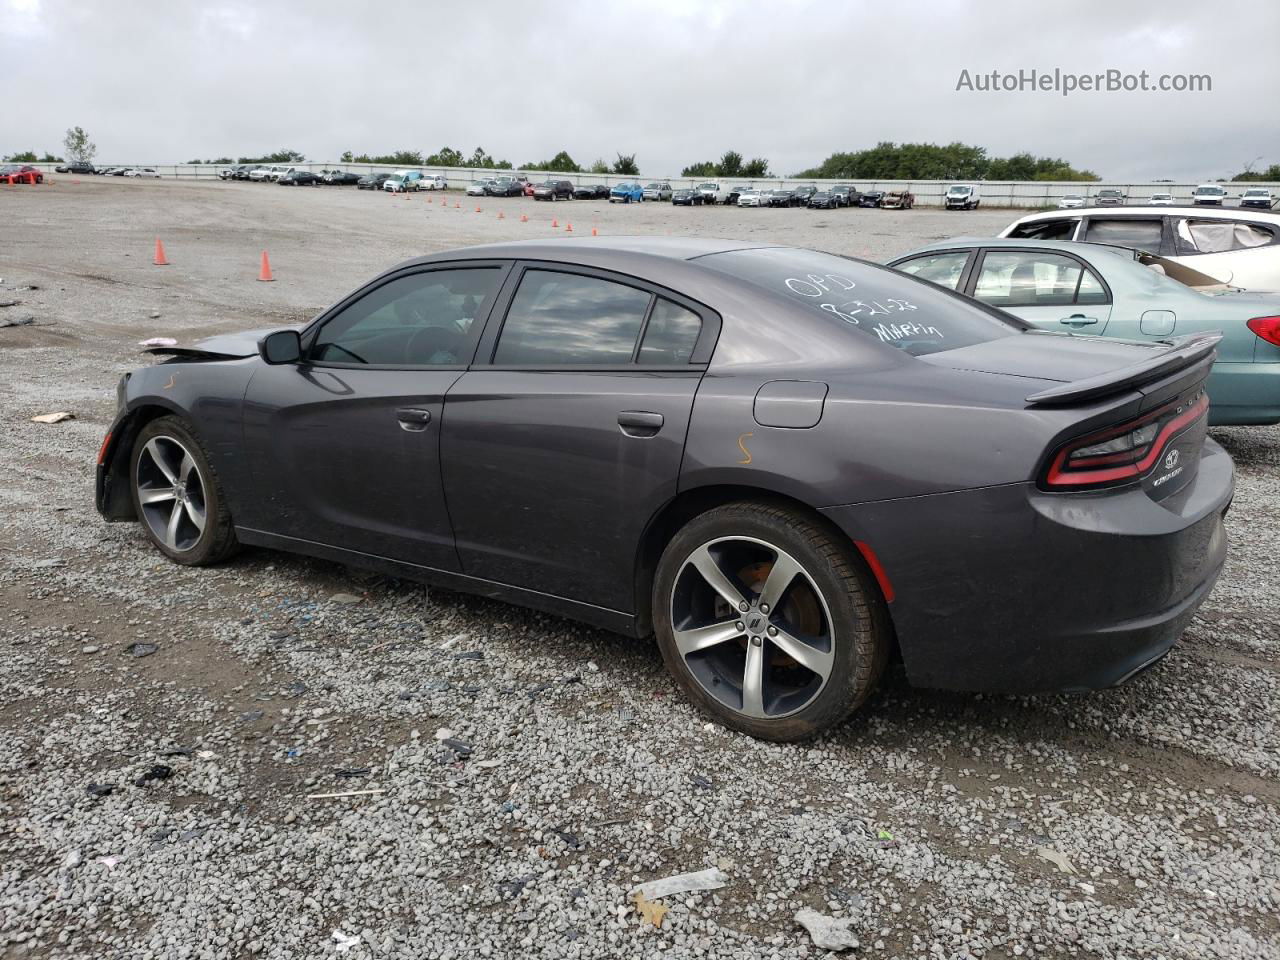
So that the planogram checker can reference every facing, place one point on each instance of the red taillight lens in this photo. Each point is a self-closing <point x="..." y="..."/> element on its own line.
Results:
<point x="1268" y="328"/>
<point x="1123" y="453"/>
<point x="102" y="450"/>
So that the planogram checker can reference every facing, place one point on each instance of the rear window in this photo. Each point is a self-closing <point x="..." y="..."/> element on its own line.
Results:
<point x="1045" y="230"/>
<point x="880" y="303"/>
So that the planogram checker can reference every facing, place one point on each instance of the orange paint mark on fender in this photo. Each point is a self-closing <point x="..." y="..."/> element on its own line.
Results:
<point x="743" y="447"/>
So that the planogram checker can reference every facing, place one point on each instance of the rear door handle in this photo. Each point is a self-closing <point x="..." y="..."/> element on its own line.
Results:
<point x="1078" y="320"/>
<point x="640" y="423"/>
<point x="413" y="419"/>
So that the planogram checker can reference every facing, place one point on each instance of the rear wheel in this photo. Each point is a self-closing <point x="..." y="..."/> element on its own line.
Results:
<point x="177" y="496"/>
<point x="767" y="622"/>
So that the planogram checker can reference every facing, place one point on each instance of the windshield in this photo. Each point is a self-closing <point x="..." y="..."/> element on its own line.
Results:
<point x="893" y="308"/>
<point x="1108" y="193"/>
<point x="1257" y="193"/>
<point x="960" y="191"/>
<point x="1210" y="191"/>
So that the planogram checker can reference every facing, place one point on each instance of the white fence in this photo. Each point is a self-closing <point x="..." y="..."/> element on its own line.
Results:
<point x="927" y="192"/>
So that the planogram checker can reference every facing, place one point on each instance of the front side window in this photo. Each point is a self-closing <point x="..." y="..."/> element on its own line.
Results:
<point x="566" y="318"/>
<point x="941" y="268"/>
<point x="420" y="320"/>
<point x="1061" y="229"/>
<point x="1126" y="232"/>
<point x="1023" y="279"/>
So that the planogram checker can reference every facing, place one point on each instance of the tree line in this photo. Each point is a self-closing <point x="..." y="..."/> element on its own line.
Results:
<point x="929" y="161"/>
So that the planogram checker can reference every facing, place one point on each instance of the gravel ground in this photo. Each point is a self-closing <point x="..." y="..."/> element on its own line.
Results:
<point x="530" y="771"/>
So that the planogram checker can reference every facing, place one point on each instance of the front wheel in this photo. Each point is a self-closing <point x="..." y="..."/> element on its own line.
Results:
<point x="768" y="622"/>
<point x="177" y="496"/>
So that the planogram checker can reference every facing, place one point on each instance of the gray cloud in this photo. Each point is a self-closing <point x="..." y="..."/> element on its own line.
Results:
<point x="673" y="82"/>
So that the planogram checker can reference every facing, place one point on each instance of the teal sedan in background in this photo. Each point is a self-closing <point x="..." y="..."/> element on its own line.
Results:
<point x="1101" y="290"/>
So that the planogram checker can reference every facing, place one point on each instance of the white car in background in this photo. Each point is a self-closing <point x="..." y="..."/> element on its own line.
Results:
<point x="1236" y="247"/>
<point x="1160" y="200"/>
<point x="478" y="187"/>
<point x="1209" y="195"/>
<point x="263" y="174"/>
<point x="713" y="192"/>
<point x="1072" y="201"/>
<point x="148" y="172"/>
<point x="962" y="196"/>
<point x="1258" y="197"/>
<point x="754" y="197"/>
<point x="433" y="183"/>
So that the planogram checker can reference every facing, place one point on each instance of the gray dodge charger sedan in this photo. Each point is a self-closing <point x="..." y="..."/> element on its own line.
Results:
<point x="789" y="466"/>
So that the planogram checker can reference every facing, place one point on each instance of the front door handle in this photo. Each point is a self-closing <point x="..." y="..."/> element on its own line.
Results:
<point x="413" y="419"/>
<point x="1078" y="320"/>
<point x="640" y="423"/>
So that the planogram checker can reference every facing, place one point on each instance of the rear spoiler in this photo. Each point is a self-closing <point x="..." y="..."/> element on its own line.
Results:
<point x="1182" y="352"/>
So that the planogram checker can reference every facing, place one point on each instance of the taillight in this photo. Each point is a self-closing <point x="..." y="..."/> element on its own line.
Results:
<point x="1125" y="452"/>
<point x="1268" y="328"/>
<point x="102" y="450"/>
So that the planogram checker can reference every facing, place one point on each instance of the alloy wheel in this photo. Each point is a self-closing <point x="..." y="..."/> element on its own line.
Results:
<point x="752" y="627"/>
<point x="171" y="493"/>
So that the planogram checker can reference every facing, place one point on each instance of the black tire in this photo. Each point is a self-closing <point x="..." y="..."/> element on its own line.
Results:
<point x="217" y="541"/>
<point x="860" y="631"/>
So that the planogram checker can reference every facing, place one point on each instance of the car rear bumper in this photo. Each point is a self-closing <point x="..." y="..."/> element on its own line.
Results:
<point x="1009" y="589"/>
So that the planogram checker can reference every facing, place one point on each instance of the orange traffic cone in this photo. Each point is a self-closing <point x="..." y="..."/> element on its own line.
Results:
<point x="264" y="274"/>
<point x="429" y="200"/>
<point x="159" y="260"/>
<point x="568" y="228"/>
<point x="523" y="218"/>
<point x="477" y="209"/>
<point x="501" y="215"/>
<point x="555" y="224"/>
<point x="457" y="204"/>
<point x="595" y="232"/>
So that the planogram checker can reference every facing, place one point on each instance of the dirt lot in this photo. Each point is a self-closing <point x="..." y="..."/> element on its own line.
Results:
<point x="932" y="820"/>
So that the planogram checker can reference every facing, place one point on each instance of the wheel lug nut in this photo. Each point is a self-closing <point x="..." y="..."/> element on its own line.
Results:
<point x="756" y="641"/>
<point x="773" y="631"/>
<point x="764" y="608"/>
<point x="744" y="606"/>
<point x="739" y="625"/>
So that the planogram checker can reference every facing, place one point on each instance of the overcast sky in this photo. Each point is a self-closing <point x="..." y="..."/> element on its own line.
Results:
<point x="673" y="81"/>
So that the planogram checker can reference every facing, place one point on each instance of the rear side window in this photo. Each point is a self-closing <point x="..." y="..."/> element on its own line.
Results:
<point x="877" y="302"/>
<point x="940" y="268"/>
<point x="670" y="336"/>
<point x="566" y="318"/>
<point x="1219" y="236"/>
<point x="1126" y="232"/>
<point x="1024" y="279"/>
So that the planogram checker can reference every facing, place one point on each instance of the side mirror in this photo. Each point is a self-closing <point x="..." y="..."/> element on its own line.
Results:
<point x="283" y="346"/>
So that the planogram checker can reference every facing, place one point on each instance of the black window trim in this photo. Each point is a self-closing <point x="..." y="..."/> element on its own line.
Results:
<point x="312" y="330"/>
<point x="698" y="360"/>
<point x="976" y="271"/>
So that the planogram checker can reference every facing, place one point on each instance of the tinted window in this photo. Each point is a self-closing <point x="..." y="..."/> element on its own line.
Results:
<point x="941" y="268"/>
<point x="1126" y="231"/>
<point x="1021" y="279"/>
<point x="423" y="319"/>
<point x="671" y="334"/>
<point x="883" y="304"/>
<point x="1045" y="230"/>
<point x="567" y="318"/>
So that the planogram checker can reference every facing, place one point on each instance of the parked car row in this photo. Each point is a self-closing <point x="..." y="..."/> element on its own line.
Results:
<point x="1205" y="195"/>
